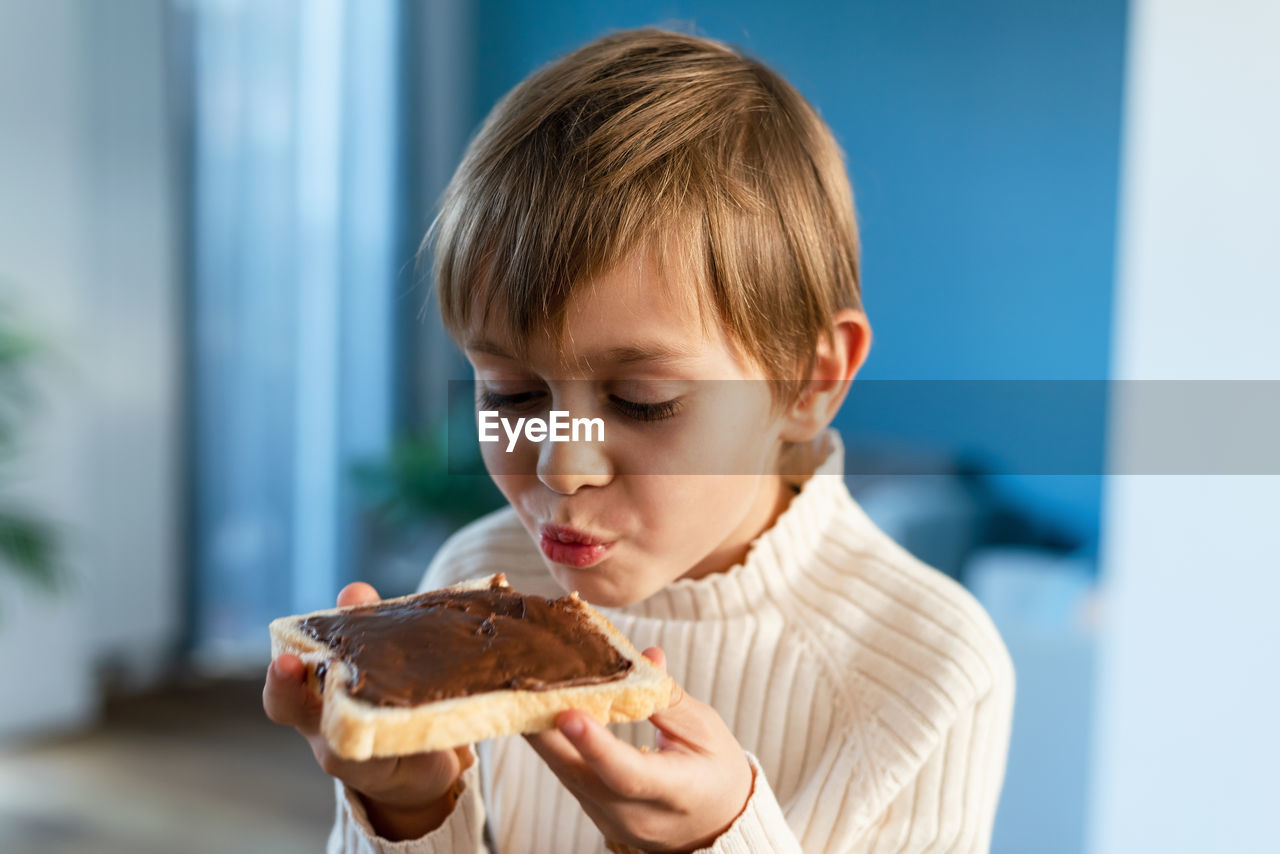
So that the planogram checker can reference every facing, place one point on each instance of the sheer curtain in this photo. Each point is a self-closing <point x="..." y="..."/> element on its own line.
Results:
<point x="295" y="259"/>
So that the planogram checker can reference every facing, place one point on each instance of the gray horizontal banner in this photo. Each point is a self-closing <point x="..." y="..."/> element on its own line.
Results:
<point x="1019" y="427"/>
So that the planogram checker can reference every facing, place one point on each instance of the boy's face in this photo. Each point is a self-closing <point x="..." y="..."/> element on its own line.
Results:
<point x="619" y="519"/>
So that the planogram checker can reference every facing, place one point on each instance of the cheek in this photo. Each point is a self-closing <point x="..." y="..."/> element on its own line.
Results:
<point x="703" y="447"/>
<point x="733" y="433"/>
<point x="690" y="514"/>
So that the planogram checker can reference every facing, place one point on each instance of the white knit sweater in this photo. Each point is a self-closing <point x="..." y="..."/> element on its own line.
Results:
<point x="872" y="693"/>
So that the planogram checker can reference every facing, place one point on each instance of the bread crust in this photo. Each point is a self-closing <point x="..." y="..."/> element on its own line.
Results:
<point x="356" y="729"/>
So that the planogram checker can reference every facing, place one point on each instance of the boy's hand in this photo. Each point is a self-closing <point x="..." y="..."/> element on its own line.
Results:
<point x="679" y="798"/>
<point x="405" y="797"/>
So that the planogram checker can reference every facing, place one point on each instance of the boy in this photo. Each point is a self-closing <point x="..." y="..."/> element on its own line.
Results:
<point x="660" y="232"/>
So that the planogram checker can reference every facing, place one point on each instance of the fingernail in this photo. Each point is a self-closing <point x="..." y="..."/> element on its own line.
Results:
<point x="280" y="672"/>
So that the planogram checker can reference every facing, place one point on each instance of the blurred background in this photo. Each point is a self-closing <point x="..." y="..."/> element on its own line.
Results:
<point x="220" y="399"/>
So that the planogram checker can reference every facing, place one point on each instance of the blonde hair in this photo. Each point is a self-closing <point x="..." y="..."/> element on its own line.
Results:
<point x="653" y="139"/>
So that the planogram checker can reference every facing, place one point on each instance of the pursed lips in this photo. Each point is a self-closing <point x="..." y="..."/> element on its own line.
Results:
<point x="571" y="546"/>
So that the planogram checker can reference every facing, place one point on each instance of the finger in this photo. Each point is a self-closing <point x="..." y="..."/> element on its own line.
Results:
<point x="563" y="759"/>
<point x="286" y="698"/>
<point x="423" y="776"/>
<point x="466" y="757"/>
<point x="686" y="722"/>
<point x="357" y="593"/>
<point x="657" y="657"/>
<point x="554" y="748"/>
<point x="617" y="764"/>
<point x="680" y="722"/>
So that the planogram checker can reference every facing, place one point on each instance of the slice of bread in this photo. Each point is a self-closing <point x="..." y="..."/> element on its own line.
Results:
<point x="357" y="729"/>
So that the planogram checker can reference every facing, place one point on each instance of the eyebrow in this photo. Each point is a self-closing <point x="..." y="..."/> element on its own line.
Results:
<point x="481" y="345"/>
<point x="625" y="355"/>
<point x="651" y="353"/>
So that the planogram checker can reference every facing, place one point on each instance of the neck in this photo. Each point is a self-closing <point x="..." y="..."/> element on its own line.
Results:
<point x="772" y="498"/>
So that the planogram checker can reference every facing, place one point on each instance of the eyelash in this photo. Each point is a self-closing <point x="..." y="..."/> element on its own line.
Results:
<point x="486" y="399"/>
<point x="643" y="412"/>
<point x="646" y="412"/>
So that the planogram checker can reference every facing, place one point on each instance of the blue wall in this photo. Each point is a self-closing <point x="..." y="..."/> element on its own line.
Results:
<point x="983" y="145"/>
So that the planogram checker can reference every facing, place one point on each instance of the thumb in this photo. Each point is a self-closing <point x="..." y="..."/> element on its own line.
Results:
<point x="287" y="699"/>
<point x="357" y="593"/>
<point x="657" y="657"/>
<point x="684" y="721"/>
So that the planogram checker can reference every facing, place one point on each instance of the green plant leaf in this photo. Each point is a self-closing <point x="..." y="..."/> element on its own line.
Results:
<point x="29" y="547"/>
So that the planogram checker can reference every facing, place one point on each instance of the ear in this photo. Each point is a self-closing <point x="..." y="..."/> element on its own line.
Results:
<point x="839" y="357"/>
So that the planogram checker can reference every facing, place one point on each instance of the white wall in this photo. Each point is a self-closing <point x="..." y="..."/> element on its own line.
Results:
<point x="87" y="231"/>
<point x="1188" y="749"/>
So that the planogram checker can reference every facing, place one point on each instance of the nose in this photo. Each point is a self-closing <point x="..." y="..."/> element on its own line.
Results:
<point x="566" y="467"/>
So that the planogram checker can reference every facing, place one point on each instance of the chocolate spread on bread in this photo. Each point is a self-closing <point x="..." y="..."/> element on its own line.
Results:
<point x="453" y="643"/>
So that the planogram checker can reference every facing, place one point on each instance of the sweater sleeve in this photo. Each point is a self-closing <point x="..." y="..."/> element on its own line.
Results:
<point x="945" y="804"/>
<point x="949" y="804"/>
<point x="762" y="826"/>
<point x="865" y="799"/>
<point x="461" y="833"/>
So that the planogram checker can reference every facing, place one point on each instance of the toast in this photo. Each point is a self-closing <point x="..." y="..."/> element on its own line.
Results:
<point x="357" y="728"/>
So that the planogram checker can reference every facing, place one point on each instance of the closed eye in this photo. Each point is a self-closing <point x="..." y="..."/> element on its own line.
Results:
<point x="488" y="399"/>
<point x="646" y="411"/>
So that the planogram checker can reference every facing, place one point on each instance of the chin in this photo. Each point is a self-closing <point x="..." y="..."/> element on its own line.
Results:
<point x="594" y="586"/>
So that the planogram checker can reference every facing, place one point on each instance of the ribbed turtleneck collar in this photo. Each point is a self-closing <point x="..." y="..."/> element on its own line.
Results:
<point x="781" y="551"/>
